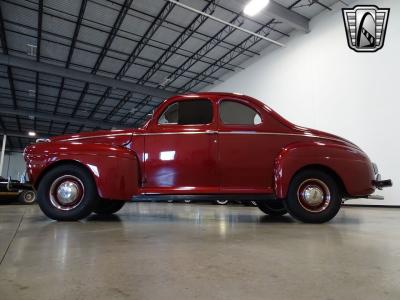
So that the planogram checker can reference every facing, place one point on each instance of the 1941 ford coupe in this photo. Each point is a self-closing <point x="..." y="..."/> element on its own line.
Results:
<point x="203" y="146"/>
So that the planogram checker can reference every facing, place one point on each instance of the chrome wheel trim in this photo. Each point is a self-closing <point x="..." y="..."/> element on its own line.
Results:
<point x="222" y="202"/>
<point x="314" y="195"/>
<point x="66" y="192"/>
<point x="29" y="197"/>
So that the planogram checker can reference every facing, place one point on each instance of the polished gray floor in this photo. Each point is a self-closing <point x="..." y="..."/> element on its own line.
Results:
<point x="181" y="251"/>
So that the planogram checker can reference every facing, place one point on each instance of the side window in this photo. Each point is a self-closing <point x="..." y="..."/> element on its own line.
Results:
<point x="187" y="112"/>
<point x="170" y="115"/>
<point x="235" y="113"/>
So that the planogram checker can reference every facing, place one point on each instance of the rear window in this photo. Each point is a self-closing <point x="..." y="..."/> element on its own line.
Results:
<point x="192" y="112"/>
<point x="235" y="113"/>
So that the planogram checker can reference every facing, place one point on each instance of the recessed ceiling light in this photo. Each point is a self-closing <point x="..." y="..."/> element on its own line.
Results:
<point x="32" y="93"/>
<point x="254" y="7"/>
<point x="165" y="81"/>
<point x="32" y="133"/>
<point x="31" y="49"/>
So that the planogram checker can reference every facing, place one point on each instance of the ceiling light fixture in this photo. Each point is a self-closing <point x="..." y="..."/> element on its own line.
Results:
<point x="254" y="7"/>
<point x="226" y="23"/>
<point x="165" y="81"/>
<point x="31" y="49"/>
<point x="32" y="133"/>
<point x="32" y="93"/>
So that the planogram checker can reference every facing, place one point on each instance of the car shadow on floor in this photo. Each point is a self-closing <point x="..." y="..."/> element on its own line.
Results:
<point x="276" y="219"/>
<point x="103" y="218"/>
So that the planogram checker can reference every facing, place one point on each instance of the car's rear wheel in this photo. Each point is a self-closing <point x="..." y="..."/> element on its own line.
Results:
<point x="27" y="197"/>
<point x="108" y="207"/>
<point x="67" y="193"/>
<point x="273" y="207"/>
<point x="313" y="197"/>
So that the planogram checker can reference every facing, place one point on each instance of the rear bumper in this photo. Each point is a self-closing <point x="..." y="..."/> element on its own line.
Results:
<point x="380" y="184"/>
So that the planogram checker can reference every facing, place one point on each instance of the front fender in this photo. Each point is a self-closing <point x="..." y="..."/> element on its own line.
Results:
<point x="351" y="165"/>
<point x="115" y="169"/>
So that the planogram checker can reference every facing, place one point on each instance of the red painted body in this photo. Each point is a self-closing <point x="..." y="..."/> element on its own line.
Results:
<point x="205" y="159"/>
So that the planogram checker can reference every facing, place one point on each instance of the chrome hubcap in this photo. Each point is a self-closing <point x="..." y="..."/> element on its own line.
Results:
<point x="314" y="195"/>
<point x="66" y="192"/>
<point x="222" y="202"/>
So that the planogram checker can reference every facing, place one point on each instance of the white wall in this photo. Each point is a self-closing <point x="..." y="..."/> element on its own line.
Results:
<point x="14" y="165"/>
<point x="317" y="81"/>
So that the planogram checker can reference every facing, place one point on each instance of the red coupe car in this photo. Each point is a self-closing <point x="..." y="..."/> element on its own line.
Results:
<point x="203" y="146"/>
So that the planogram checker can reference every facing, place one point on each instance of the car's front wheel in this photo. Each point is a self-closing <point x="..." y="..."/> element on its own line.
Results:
<point x="108" y="207"/>
<point x="67" y="193"/>
<point x="313" y="197"/>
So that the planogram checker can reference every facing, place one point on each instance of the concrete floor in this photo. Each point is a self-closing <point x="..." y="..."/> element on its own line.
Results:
<point x="180" y="251"/>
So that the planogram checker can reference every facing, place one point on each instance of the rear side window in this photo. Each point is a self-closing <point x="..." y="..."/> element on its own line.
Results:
<point x="235" y="113"/>
<point x="192" y="112"/>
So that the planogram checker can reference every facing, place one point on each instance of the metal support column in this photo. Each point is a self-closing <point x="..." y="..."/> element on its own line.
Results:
<point x="3" y="149"/>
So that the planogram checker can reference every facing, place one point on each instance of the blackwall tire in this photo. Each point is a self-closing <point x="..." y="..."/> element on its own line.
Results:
<point x="108" y="207"/>
<point x="67" y="193"/>
<point x="313" y="197"/>
<point x="27" y="197"/>
<point x="272" y="207"/>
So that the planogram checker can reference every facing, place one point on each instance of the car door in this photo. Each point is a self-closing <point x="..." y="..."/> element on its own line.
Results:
<point x="181" y="149"/>
<point x="244" y="161"/>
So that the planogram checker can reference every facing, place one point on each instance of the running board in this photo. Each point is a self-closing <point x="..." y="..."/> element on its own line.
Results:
<point x="201" y="198"/>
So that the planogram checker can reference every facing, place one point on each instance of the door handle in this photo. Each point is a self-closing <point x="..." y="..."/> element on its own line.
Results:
<point x="211" y="131"/>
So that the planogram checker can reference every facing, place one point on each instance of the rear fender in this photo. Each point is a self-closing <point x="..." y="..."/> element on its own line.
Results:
<point x="115" y="169"/>
<point x="350" y="165"/>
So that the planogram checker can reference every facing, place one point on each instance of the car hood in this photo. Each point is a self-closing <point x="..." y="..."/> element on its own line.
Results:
<point x="112" y="137"/>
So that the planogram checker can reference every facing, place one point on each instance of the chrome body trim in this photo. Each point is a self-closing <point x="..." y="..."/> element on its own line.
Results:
<point x="94" y="136"/>
<point x="203" y="132"/>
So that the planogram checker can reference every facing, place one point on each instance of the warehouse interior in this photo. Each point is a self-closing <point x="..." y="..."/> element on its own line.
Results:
<point x="68" y="67"/>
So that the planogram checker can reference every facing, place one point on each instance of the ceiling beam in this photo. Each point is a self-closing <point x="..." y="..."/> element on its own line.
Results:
<point x="151" y="30"/>
<point x="71" y="49"/>
<point x="110" y="38"/>
<point x="281" y="13"/>
<point x="226" y="23"/>
<point x="59" y="118"/>
<point x="28" y="64"/>
<point x="5" y="51"/>
<point x="287" y="16"/>
<point x="21" y="135"/>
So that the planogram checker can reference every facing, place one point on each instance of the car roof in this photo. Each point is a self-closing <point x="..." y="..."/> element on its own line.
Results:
<point x="214" y="94"/>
